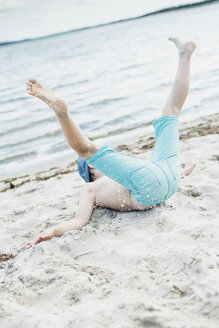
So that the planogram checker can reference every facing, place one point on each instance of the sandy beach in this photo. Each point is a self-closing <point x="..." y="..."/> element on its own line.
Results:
<point x="157" y="268"/>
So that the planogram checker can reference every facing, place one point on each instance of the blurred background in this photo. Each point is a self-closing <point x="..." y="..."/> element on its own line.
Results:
<point x="115" y="72"/>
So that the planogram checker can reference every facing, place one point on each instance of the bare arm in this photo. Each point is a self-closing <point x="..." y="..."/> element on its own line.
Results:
<point x="82" y="217"/>
<point x="83" y="213"/>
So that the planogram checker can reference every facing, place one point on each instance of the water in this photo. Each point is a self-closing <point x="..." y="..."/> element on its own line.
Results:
<point x="114" y="78"/>
<point x="45" y="17"/>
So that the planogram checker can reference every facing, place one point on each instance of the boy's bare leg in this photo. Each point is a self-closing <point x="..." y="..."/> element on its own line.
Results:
<point x="180" y="87"/>
<point x="76" y="139"/>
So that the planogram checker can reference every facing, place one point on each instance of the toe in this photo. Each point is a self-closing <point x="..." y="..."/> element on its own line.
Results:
<point x="29" y="85"/>
<point x="32" y="80"/>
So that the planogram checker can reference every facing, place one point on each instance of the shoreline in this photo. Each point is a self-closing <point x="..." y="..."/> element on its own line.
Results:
<point x="200" y="127"/>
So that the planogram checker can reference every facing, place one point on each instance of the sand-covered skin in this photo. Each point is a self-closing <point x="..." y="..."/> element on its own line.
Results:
<point x="157" y="268"/>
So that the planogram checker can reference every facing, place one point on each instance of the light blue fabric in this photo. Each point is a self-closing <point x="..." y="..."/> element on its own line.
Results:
<point x="153" y="181"/>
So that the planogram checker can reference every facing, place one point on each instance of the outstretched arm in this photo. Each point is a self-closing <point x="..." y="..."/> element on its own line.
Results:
<point x="82" y="217"/>
<point x="103" y="192"/>
<point x="83" y="213"/>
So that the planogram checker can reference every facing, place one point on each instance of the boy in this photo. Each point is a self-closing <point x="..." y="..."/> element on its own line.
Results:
<point x="121" y="182"/>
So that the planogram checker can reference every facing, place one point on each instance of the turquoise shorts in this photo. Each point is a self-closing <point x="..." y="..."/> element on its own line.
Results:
<point x="150" y="182"/>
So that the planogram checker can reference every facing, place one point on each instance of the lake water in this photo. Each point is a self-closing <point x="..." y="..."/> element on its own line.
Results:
<point x="115" y="78"/>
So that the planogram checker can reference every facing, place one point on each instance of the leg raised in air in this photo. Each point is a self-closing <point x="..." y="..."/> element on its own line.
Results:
<point x="180" y="87"/>
<point x="75" y="137"/>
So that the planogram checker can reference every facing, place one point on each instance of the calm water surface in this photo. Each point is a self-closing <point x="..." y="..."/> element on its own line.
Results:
<point x="114" y="78"/>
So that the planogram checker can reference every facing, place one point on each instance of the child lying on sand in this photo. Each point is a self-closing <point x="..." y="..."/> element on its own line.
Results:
<point x="117" y="181"/>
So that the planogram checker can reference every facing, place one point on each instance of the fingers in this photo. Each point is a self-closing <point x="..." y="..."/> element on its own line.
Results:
<point x="43" y="236"/>
<point x="35" y="242"/>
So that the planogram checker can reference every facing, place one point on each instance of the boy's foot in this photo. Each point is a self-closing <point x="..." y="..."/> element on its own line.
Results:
<point x="44" y="93"/>
<point x="188" y="168"/>
<point x="184" y="47"/>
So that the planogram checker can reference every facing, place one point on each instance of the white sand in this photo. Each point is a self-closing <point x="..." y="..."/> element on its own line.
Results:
<point x="157" y="268"/>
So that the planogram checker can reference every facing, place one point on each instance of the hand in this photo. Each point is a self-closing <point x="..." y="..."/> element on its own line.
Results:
<point x="43" y="236"/>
